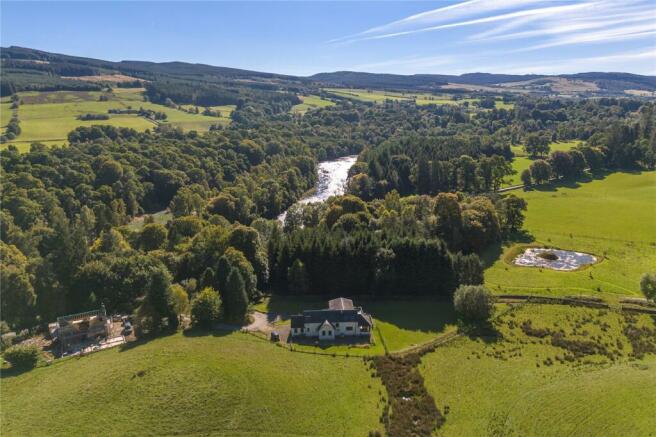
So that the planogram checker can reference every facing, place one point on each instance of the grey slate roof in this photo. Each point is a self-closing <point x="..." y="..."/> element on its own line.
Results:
<point x="341" y="303"/>
<point x="333" y="315"/>
<point x="298" y="321"/>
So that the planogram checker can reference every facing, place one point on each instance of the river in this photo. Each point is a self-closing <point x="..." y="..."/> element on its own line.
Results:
<point x="332" y="181"/>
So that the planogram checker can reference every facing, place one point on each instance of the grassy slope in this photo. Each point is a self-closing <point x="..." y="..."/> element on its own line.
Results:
<point x="48" y="117"/>
<point x="310" y="102"/>
<point x="232" y="385"/>
<point x="400" y="323"/>
<point x="612" y="217"/>
<point x="514" y="396"/>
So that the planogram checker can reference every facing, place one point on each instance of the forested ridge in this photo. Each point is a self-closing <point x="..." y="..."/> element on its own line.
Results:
<point x="421" y="203"/>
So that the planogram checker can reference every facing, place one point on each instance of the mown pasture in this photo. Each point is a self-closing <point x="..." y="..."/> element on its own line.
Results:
<point x="310" y="102"/>
<point x="611" y="217"/>
<point x="520" y="384"/>
<point x="48" y="117"/>
<point x="228" y="384"/>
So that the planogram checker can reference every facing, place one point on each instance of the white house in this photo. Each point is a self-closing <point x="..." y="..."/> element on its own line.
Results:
<point x="340" y="319"/>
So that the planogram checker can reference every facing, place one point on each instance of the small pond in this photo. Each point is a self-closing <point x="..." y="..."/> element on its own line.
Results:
<point x="555" y="259"/>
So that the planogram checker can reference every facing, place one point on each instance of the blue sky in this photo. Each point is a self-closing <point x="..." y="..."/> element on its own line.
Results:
<point x="306" y="37"/>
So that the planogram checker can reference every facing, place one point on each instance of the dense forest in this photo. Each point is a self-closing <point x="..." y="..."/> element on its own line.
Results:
<point x="463" y="152"/>
<point x="421" y="203"/>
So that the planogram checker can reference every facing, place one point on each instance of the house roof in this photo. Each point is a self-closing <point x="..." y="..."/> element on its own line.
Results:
<point x="334" y="316"/>
<point x="341" y="303"/>
<point x="298" y="321"/>
<point x="340" y="310"/>
<point x="326" y="322"/>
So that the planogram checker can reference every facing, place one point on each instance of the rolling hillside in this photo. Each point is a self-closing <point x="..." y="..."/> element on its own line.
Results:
<point x="30" y="69"/>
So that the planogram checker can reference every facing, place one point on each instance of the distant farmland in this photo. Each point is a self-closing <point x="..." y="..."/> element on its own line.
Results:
<point x="48" y="117"/>
<point x="311" y="102"/>
<point x="377" y="96"/>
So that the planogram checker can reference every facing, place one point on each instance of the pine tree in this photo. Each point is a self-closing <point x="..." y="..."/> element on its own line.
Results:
<point x="297" y="278"/>
<point x="222" y="271"/>
<point x="235" y="298"/>
<point x="207" y="279"/>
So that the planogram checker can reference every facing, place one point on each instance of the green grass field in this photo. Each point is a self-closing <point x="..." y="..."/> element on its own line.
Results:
<point x="521" y="161"/>
<point x="310" y="102"/>
<point x="400" y="323"/>
<point x="503" y="387"/>
<point x="500" y="104"/>
<point x="419" y="98"/>
<point x="223" y="385"/>
<point x="380" y="96"/>
<point x="611" y="217"/>
<point x="48" y="117"/>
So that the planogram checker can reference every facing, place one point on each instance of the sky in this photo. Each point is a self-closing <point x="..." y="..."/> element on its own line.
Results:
<point x="307" y="37"/>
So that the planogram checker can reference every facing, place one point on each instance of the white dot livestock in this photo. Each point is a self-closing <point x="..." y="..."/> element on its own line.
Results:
<point x="564" y="260"/>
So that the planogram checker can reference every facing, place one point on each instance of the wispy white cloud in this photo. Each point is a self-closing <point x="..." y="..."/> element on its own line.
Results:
<point x="540" y="22"/>
<point x="529" y="13"/>
<point x="440" y="15"/>
<point x="615" y="34"/>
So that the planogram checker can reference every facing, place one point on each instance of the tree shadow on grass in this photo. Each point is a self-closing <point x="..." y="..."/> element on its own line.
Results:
<point x="586" y="178"/>
<point x="485" y="332"/>
<point x="218" y="331"/>
<point x="419" y="314"/>
<point x="12" y="372"/>
<point x="143" y="340"/>
<point x="493" y="252"/>
<point x="287" y="305"/>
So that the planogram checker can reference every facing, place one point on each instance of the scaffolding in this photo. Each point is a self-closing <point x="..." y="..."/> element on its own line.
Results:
<point x="76" y="329"/>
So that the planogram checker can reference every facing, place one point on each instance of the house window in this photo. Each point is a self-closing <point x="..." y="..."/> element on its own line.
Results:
<point x="349" y="328"/>
<point x="330" y="332"/>
<point x="323" y="332"/>
<point x="336" y="325"/>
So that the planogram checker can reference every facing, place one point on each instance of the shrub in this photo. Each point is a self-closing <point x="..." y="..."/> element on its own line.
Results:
<point x="205" y="308"/>
<point x="648" y="286"/>
<point x="23" y="356"/>
<point x="526" y="177"/>
<point x="89" y="116"/>
<point x="473" y="302"/>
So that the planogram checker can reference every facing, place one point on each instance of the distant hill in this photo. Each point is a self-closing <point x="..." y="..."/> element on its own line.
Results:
<point x="595" y="83"/>
<point x="355" y="79"/>
<point x="25" y="68"/>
